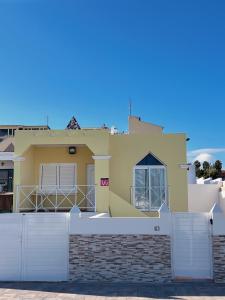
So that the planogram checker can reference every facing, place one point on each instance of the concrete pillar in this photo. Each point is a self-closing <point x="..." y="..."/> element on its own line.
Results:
<point x="101" y="180"/>
<point x="17" y="178"/>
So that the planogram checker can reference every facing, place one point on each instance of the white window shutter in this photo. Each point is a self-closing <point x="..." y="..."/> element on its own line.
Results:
<point x="67" y="176"/>
<point x="48" y="176"/>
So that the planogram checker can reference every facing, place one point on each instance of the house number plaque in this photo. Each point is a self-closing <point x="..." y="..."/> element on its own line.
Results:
<point x="104" y="181"/>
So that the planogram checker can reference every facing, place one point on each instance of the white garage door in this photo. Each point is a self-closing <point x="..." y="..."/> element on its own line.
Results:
<point x="35" y="248"/>
<point x="192" y="257"/>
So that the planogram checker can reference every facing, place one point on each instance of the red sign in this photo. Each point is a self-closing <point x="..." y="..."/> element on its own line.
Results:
<point x="104" y="181"/>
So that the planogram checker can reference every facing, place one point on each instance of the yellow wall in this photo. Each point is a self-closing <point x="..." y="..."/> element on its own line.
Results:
<point x="96" y="140"/>
<point x="138" y="126"/>
<point x="82" y="158"/>
<point x="102" y="192"/>
<point x="118" y="207"/>
<point x="125" y="151"/>
<point x="24" y="171"/>
<point x="128" y="150"/>
<point x="29" y="170"/>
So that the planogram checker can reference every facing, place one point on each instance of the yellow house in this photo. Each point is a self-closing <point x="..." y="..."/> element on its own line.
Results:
<point x="98" y="170"/>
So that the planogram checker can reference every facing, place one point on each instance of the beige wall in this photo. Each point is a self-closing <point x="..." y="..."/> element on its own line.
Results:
<point x="128" y="150"/>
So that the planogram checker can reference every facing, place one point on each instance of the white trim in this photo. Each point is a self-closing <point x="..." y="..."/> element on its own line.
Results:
<point x="6" y="155"/>
<point x="101" y="157"/>
<point x="18" y="158"/>
<point x="185" y="166"/>
<point x="10" y="156"/>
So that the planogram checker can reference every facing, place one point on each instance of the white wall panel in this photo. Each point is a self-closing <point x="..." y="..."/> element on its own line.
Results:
<point x="10" y="246"/>
<point x="34" y="246"/>
<point x="192" y="245"/>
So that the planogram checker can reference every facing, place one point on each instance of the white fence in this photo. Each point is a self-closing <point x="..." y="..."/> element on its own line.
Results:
<point x="34" y="247"/>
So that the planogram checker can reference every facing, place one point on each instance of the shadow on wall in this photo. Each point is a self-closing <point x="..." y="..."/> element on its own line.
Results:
<point x="176" y="290"/>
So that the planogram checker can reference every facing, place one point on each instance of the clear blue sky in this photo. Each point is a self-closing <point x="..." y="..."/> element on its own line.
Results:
<point x="87" y="58"/>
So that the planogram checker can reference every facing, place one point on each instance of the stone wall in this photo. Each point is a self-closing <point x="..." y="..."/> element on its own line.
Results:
<point x="219" y="258"/>
<point x="120" y="258"/>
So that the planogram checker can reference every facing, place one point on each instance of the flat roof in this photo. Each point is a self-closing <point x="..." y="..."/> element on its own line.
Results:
<point x="23" y="126"/>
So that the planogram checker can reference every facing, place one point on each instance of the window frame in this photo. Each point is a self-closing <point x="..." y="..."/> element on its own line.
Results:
<point x="149" y="167"/>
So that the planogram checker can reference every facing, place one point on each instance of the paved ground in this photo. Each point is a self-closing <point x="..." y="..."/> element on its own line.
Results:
<point x="50" y="291"/>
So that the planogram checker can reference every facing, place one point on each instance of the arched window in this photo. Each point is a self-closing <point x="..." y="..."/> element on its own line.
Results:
<point x="149" y="183"/>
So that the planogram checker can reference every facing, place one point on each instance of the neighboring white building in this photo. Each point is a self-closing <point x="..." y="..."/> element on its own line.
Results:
<point x="191" y="174"/>
<point x="204" y="193"/>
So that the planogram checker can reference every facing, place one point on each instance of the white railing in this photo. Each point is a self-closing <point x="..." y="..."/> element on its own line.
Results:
<point x="149" y="198"/>
<point x="35" y="198"/>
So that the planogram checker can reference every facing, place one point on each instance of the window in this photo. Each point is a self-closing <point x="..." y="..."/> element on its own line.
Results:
<point x="6" y="180"/>
<point x="58" y="176"/>
<point x="150" y="190"/>
<point x="4" y="132"/>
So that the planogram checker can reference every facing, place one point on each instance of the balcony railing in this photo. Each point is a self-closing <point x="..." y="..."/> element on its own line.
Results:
<point x="149" y="198"/>
<point x="33" y="198"/>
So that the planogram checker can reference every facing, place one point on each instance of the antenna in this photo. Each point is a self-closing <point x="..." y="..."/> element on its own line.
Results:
<point x="130" y="107"/>
<point x="47" y="120"/>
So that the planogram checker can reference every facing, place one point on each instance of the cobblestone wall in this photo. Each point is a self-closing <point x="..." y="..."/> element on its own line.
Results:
<point x="119" y="258"/>
<point x="219" y="258"/>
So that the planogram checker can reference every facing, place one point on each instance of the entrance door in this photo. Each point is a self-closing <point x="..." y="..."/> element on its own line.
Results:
<point x="192" y="257"/>
<point x="91" y="186"/>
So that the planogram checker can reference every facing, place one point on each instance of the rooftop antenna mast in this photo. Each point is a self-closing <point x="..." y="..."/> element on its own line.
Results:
<point x="130" y="107"/>
<point x="47" y="120"/>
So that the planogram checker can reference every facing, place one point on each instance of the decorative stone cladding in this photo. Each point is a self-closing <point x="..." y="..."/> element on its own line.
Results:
<point x="120" y="258"/>
<point x="219" y="258"/>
